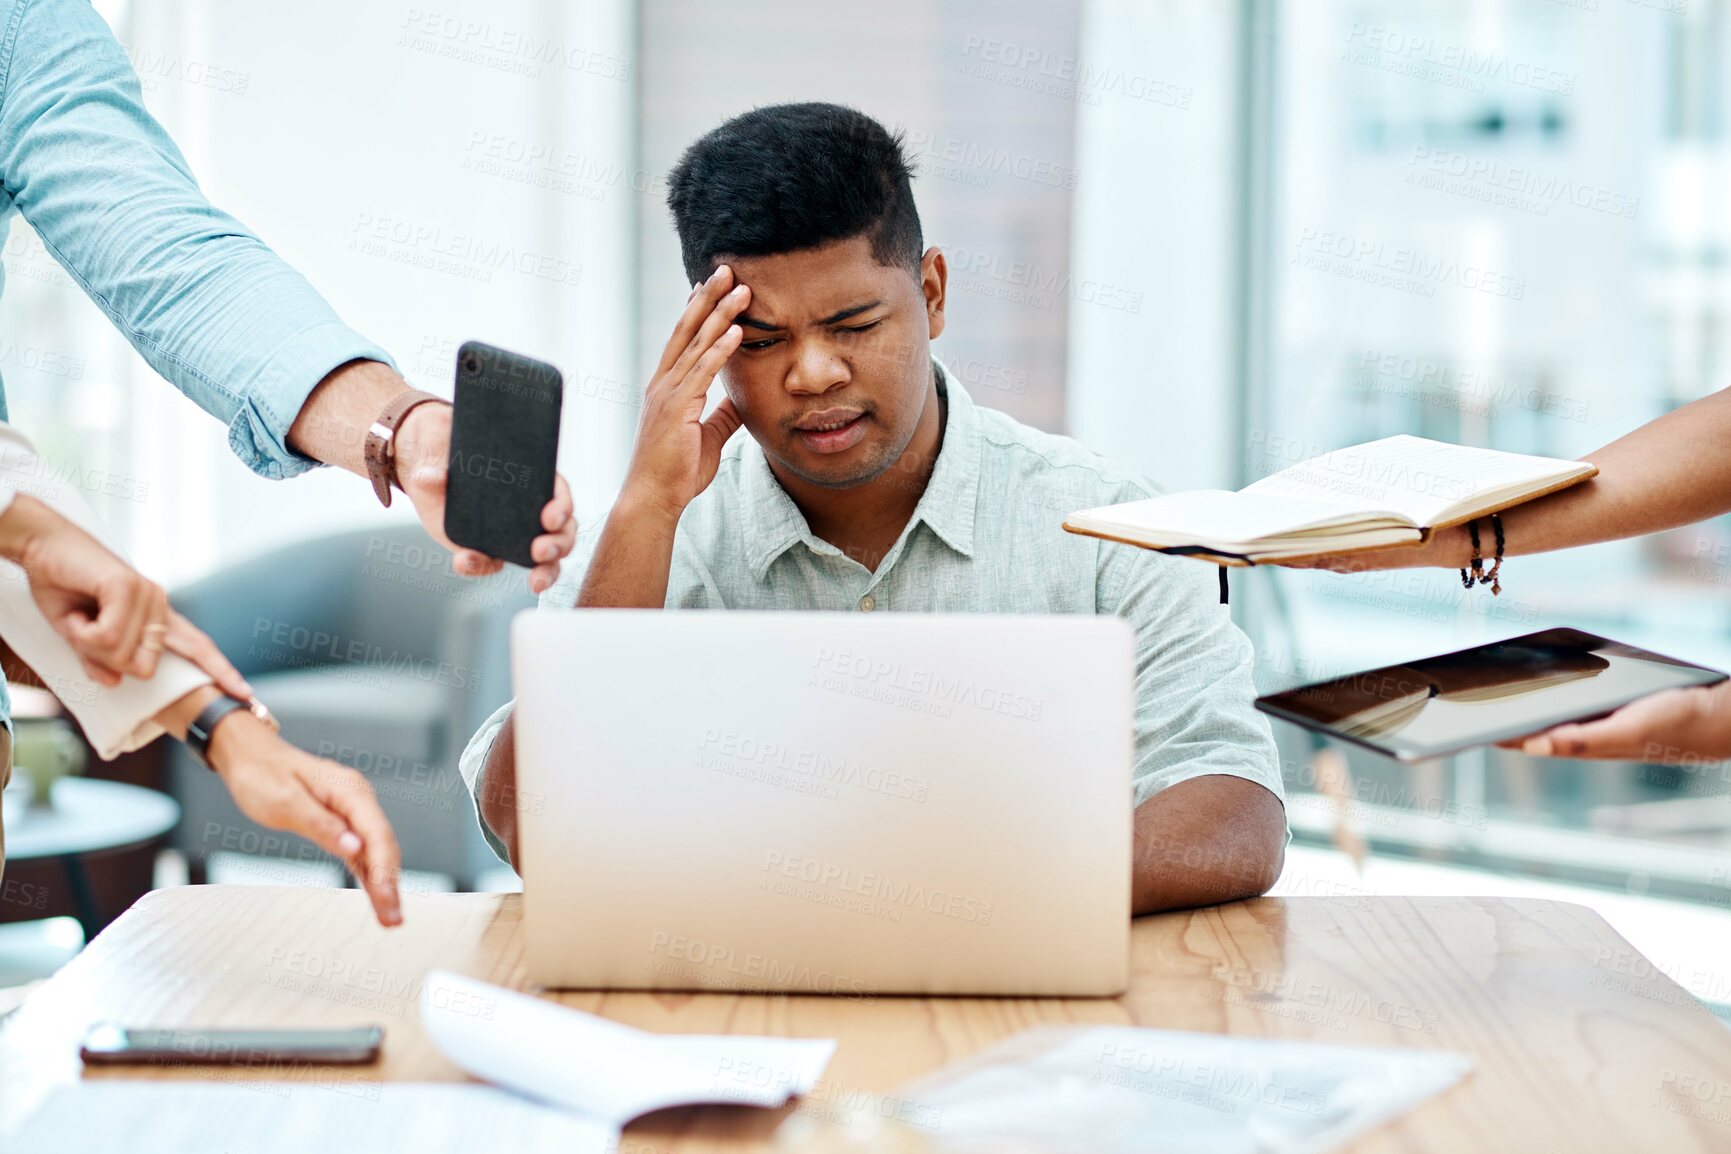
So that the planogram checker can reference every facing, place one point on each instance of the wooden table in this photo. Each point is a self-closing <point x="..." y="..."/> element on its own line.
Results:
<point x="1581" y="1044"/>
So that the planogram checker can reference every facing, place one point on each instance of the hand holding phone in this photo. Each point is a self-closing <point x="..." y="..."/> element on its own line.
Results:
<point x="504" y="450"/>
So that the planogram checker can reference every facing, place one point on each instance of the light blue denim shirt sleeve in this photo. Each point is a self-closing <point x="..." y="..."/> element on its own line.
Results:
<point x="201" y="298"/>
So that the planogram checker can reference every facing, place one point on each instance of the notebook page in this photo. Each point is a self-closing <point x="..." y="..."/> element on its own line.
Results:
<point x="1210" y="516"/>
<point x="1424" y="481"/>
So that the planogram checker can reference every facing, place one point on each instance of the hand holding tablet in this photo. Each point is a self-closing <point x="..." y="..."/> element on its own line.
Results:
<point x="1676" y="726"/>
<point x="1525" y="687"/>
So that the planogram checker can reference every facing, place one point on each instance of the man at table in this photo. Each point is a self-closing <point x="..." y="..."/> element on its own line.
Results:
<point x="871" y="481"/>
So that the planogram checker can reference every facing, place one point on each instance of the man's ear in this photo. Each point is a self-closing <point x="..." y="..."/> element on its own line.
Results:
<point x="934" y="279"/>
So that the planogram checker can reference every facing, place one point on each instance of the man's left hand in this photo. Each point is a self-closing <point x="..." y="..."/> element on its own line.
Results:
<point x="423" y="450"/>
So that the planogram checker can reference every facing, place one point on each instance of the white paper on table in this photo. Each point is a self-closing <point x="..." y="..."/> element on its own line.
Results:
<point x="334" y="1113"/>
<point x="1117" y="1089"/>
<point x="601" y="1069"/>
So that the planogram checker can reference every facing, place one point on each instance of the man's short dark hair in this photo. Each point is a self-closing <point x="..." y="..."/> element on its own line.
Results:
<point x="794" y="176"/>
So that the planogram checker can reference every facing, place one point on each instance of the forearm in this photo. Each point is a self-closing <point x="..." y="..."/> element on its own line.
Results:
<point x="632" y="559"/>
<point x="496" y="788"/>
<point x="180" y="714"/>
<point x="1669" y="472"/>
<point x="1205" y="841"/>
<point x="21" y="520"/>
<point x="332" y="424"/>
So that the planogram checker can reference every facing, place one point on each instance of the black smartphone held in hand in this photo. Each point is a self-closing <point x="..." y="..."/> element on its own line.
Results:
<point x="504" y="450"/>
<point x="110" y="1044"/>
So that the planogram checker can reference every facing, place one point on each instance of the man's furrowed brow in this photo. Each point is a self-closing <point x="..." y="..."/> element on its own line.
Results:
<point x="748" y="321"/>
<point x="853" y="311"/>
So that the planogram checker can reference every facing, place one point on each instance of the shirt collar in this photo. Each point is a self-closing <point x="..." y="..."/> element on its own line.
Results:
<point x="773" y="523"/>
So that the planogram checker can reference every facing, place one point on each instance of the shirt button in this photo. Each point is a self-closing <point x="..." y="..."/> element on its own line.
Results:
<point x="867" y="603"/>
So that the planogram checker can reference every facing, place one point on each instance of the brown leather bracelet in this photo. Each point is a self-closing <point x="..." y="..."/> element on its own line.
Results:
<point x="380" y="449"/>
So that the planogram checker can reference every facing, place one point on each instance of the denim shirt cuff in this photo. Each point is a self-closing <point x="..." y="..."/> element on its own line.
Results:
<point x="259" y="433"/>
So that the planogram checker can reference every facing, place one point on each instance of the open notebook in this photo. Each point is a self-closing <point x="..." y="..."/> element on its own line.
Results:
<point x="1383" y="493"/>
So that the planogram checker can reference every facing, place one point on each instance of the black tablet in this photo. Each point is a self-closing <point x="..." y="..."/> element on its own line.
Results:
<point x="1441" y="705"/>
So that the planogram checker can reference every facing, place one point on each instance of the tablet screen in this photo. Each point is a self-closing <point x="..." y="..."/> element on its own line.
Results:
<point x="1441" y="705"/>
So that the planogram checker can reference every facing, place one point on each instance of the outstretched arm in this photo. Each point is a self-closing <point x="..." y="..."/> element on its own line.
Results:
<point x="198" y="294"/>
<point x="1669" y="472"/>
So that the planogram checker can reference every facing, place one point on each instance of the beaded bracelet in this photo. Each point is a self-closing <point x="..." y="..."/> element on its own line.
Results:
<point x="1478" y="575"/>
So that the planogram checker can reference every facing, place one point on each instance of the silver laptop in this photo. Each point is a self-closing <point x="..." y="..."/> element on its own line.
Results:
<point x="825" y="803"/>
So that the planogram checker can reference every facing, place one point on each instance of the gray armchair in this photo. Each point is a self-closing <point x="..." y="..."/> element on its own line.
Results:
<point x="373" y="653"/>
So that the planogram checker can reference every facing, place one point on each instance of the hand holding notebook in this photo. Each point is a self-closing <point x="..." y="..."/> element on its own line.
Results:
<point x="1385" y="493"/>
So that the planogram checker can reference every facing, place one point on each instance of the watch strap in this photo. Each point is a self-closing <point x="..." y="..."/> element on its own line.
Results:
<point x="200" y="728"/>
<point x="380" y="449"/>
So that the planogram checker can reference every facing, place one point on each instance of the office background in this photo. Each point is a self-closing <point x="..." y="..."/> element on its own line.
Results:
<point x="1208" y="239"/>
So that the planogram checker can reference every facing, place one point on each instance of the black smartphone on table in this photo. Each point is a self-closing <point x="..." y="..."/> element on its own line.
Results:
<point x="504" y="450"/>
<point x="111" y="1044"/>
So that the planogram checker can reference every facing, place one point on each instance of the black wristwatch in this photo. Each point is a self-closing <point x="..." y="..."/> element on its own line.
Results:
<point x="198" y="731"/>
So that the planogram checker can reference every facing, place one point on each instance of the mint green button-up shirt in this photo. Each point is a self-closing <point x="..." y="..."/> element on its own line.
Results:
<point x="984" y="538"/>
